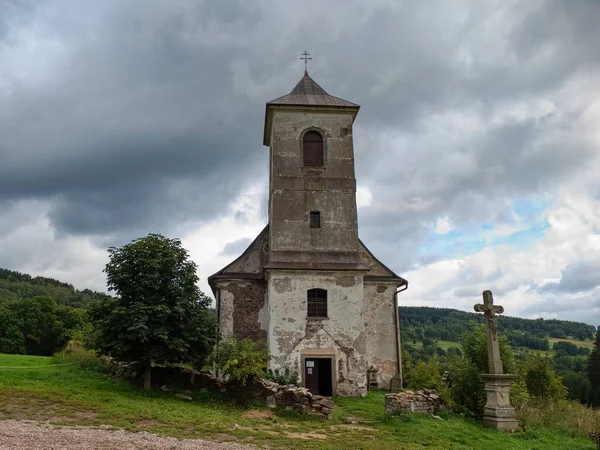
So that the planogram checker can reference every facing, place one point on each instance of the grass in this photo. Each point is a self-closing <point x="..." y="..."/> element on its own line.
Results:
<point x="586" y="344"/>
<point x="69" y="395"/>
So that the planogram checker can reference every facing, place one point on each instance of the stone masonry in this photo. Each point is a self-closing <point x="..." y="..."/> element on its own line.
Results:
<point x="424" y="401"/>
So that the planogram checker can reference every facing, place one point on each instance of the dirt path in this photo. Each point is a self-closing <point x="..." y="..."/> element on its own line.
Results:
<point x="21" y="434"/>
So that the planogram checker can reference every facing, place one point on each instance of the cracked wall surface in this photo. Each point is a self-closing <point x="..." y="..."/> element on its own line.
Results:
<point x="380" y="329"/>
<point x="293" y="335"/>
<point x="242" y="310"/>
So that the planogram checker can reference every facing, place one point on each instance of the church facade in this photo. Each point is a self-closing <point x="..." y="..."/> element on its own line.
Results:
<point x="307" y="287"/>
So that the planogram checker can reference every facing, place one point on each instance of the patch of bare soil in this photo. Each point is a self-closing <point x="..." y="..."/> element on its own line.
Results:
<point x="257" y="414"/>
<point x="352" y="427"/>
<point x="304" y="435"/>
<point x="17" y="435"/>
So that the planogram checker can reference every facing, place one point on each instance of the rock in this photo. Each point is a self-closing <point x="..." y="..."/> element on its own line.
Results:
<point x="352" y="420"/>
<point x="327" y="403"/>
<point x="301" y="400"/>
<point x="434" y="397"/>
<point x="271" y="402"/>
<point x="184" y="397"/>
<point x="317" y="397"/>
<point x="300" y="408"/>
<point x="326" y="411"/>
<point x="165" y="389"/>
<point x="187" y="392"/>
<point x="329" y="416"/>
<point x="436" y="417"/>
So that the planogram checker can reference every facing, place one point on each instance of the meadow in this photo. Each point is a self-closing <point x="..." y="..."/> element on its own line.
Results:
<point x="35" y="388"/>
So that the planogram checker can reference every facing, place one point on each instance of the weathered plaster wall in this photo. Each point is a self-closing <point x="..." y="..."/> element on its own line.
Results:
<point x="295" y="190"/>
<point x="242" y="309"/>
<point x="380" y="326"/>
<point x="292" y="335"/>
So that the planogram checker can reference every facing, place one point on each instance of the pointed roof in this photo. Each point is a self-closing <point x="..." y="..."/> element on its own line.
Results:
<point x="308" y="92"/>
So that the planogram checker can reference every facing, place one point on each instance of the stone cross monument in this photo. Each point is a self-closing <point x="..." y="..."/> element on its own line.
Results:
<point x="498" y="412"/>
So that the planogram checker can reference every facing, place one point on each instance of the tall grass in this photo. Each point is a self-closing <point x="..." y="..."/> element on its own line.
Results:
<point x="564" y="414"/>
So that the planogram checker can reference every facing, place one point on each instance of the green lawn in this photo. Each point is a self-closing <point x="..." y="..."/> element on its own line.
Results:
<point x="68" y="395"/>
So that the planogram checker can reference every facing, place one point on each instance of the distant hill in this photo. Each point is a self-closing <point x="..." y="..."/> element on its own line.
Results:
<point x="420" y="322"/>
<point x="16" y="285"/>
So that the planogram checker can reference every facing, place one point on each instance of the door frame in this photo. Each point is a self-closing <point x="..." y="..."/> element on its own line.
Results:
<point x="306" y="356"/>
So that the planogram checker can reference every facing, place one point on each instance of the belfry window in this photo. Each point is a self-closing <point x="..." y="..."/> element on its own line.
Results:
<point x="312" y="145"/>
<point x="316" y="303"/>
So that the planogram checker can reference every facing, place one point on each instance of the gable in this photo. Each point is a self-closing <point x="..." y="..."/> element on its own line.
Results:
<point x="249" y="264"/>
<point x="377" y="269"/>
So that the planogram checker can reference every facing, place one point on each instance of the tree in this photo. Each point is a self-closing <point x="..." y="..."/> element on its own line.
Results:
<point x="159" y="313"/>
<point x="594" y="364"/>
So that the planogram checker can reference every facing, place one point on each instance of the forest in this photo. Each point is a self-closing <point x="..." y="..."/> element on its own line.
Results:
<point x="435" y="333"/>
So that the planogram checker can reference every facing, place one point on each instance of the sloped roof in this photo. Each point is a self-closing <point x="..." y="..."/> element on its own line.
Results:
<point x="308" y="92"/>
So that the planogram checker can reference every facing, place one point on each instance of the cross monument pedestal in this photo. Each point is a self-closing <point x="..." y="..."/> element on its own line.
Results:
<point x="498" y="412"/>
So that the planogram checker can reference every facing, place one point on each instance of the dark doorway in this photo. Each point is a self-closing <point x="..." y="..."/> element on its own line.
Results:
<point x="318" y="376"/>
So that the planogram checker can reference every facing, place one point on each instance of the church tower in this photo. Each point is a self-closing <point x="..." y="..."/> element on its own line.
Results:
<point x="307" y="287"/>
<point x="312" y="186"/>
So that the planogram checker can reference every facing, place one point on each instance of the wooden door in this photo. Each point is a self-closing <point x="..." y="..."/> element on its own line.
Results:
<point x="311" y="375"/>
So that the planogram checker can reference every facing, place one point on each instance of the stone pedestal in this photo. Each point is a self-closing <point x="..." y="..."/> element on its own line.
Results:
<point x="498" y="412"/>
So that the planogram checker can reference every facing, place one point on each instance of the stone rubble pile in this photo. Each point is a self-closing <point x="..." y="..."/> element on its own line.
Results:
<point x="423" y="401"/>
<point x="298" y="398"/>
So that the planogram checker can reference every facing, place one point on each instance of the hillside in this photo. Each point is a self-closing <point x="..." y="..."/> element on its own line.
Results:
<point x="16" y="286"/>
<point x="421" y="323"/>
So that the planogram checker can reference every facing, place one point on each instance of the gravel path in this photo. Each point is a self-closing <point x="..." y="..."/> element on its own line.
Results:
<point x="17" y="434"/>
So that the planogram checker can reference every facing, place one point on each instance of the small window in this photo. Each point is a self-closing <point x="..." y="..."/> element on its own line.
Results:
<point x="313" y="149"/>
<point x="316" y="303"/>
<point x="315" y="219"/>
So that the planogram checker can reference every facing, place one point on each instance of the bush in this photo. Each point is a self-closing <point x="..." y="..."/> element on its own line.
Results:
<point x="467" y="384"/>
<point x="75" y="353"/>
<point x="541" y="380"/>
<point x="285" y="378"/>
<point x="241" y="360"/>
<point x="428" y="376"/>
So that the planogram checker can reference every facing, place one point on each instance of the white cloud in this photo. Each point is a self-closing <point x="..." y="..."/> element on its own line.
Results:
<point x="442" y="225"/>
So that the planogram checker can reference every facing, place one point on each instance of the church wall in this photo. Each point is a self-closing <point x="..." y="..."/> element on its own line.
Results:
<point x="243" y="309"/>
<point x="295" y="190"/>
<point x="380" y="329"/>
<point x="293" y="336"/>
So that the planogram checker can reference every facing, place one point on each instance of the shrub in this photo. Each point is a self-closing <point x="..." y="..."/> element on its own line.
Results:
<point x="74" y="352"/>
<point x="428" y="376"/>
<point x="241" y="360"/>
<point x="467" y="384"/>
<point x="284" y="378"/>
<point x="541" y="380"/>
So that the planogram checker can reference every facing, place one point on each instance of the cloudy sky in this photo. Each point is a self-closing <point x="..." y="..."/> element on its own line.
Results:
<point x="477" y="144"/>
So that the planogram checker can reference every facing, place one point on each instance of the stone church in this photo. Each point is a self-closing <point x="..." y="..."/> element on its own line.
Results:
<point x="308" y="287"/>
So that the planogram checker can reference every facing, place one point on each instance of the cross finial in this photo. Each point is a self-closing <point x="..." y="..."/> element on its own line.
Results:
<point x="305" y="57"/>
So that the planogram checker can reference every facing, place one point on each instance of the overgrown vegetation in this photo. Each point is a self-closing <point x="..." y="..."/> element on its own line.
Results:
<point x="241" y="360"/>
<point x="71" y="395"/>
<point x="565" y="355"/>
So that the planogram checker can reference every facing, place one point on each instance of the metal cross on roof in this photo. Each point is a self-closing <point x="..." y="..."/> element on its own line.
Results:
<point x="305" y="57"/>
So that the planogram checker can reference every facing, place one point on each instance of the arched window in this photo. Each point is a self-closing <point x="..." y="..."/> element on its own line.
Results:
<point x="317" y="303"/>
<point x="312" y="144"/>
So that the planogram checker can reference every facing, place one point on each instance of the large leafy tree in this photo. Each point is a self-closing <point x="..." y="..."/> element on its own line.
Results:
<point x="159" y="313"/>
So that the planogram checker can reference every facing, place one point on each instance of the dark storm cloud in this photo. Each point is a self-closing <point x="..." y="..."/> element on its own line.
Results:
<point x="143" y="116"/>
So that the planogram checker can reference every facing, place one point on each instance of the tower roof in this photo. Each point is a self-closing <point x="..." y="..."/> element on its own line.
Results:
<point x="308" y="92"/>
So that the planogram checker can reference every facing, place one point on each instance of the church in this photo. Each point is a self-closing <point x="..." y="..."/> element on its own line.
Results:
<point x="308" y="287"/>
